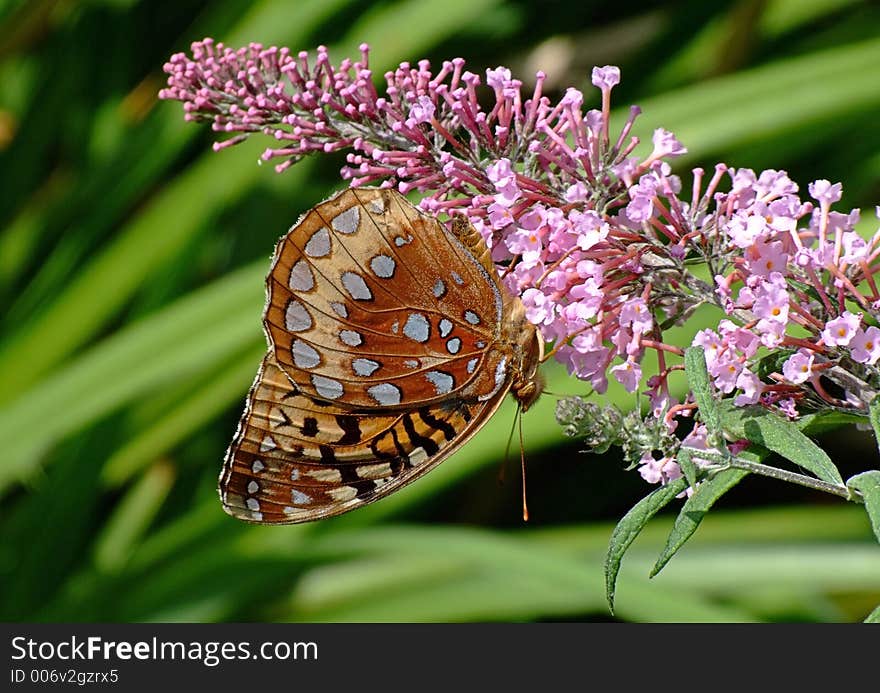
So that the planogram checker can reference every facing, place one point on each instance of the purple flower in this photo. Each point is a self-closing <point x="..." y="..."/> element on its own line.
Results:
<point x="865" y="346"/>
<point x="628" y="373"/>
<point x="763" y="257"/>
<point x="841" y="330"/>
<point x="660" y="471"/>
<point x="771" y="300"/>
<point x="539" y="308"/>
<point x="606" y="77"/>
<point x="422" y="111"/>
<point x="665" y="144"/>
<point x="798" y="368"/>
<point x="751" y="387"/>
<point x="498" y="78"/>
<point x="525" y="243"/>
<point x="824" y="192"/>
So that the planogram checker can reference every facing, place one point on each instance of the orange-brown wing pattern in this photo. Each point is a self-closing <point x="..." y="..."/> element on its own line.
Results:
<point x="373" y="304"/>
<point x="295" y="458"/>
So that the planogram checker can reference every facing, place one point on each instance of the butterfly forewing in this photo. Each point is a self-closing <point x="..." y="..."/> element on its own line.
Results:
<point x="295" y="458"/>
<point x="371" y="303"/>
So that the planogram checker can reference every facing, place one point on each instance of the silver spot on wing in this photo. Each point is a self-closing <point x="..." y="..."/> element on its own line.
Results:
<point x="365" y="367"/>
<point x="301" y="277"/>
<point x="351" y="338"/>
<point x="356" y="286"/>
<point x="304" y="354"/>
<point x="296" y="317"/>
<point x="442" y="382"/>
<point x="327" y="387"/>
<point x="385" y="394"/>
<point x="319" y="244"/>
<point x="383" y="266"/>
<point x="417" y="328"/>
<point x="347" y="221"/>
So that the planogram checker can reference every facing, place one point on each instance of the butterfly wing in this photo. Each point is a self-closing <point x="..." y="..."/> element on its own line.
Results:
<point x="296" y="458"/>
<point x="371" y="303"/>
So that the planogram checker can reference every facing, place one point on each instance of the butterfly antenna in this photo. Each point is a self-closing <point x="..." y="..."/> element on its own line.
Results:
<point x="507" y="450"/>
<point x="522" y="459"/>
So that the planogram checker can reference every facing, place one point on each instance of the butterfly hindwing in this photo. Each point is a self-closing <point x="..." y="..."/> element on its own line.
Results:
<point x="295" y="458"/>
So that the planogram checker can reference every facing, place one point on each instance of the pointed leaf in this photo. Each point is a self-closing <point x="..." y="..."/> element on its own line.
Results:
<point x="874" y="616"/>
<point x="693" y="511"/>
<point x="868" y="484"/>
<point x="782" y="437"/>
<point x="701" y="386"/>
<point x="688" y="468"/>
<point x="629" y="527"/>
<point x="874" y="416"/>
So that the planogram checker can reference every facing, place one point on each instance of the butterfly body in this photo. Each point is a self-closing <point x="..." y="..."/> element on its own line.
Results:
<point x="391" y="342"/>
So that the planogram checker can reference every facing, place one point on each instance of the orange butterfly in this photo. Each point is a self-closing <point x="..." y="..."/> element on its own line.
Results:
<point x="391" y="343"/>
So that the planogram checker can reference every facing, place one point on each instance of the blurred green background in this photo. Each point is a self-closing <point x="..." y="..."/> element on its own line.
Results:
<point x="132" y="260"/>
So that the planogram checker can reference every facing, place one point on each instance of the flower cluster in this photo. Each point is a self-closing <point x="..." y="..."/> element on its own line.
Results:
<point x="598" y="243"/>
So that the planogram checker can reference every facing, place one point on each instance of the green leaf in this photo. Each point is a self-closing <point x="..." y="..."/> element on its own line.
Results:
<point x="688" y="468"/>
<point x="874" y="416"/>
<point x="874" y="616"/>
<point x="693" y="511"/>
<point x="701" y="385"/>
<point x="629" y="527"/>
<point x="844" y="69"/>
<point x="782" y="437"/>
<point x="824" y="422"/>
<point x="192" y="335"/>
<point x="868" y="484"/>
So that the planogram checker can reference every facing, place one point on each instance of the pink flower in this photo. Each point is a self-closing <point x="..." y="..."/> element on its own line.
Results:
<point x="499" y="78"/>
<point x="635" y="315"/>
<point x="628" y="374"/>
<point x="660" y="471"/>
<point x="823" y="191"/>
<point x="539" y="308"/>
<point x="421" y="111"/>
<point x="527" y="244"/>
<point x="865" y="346"/>
<point x="751" y="387"/>
<point x="841" y="330"/>
<point x="606" y="77"/>
<point x="502" y="175"/>
<point x="500" y="216"/>
<point x="711" y="344"/>
<point x="589" y="228"/>
<point x="763" y="257"/>
<point x="744" y="229"/>
<point x="725" y="370"/>
<point x="665" y="144"/>
<point x="798" y="368"/>
<point x="771" y="300"/>
<point x="789" y="408"/>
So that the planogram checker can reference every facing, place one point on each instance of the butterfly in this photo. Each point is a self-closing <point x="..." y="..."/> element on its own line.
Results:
<point x="391" y="343"/>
